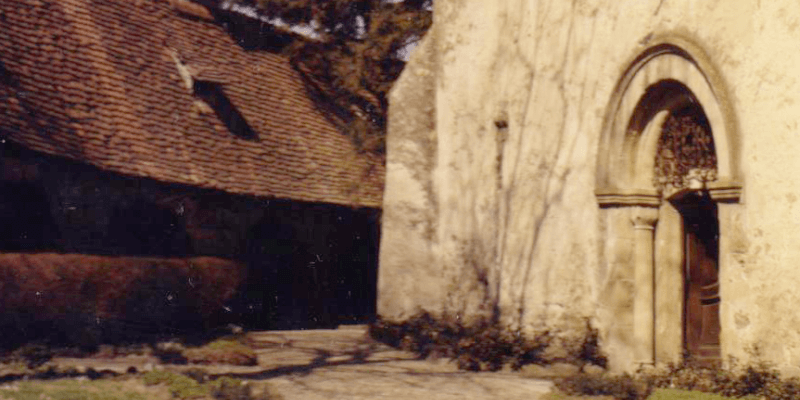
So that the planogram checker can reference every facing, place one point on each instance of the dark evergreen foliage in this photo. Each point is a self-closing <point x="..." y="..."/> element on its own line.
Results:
<point x="356" y="57"/>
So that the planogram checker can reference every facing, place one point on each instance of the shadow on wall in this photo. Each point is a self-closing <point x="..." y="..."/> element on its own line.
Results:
<point x="312" y="266"/>
<point x="307" y="265"/>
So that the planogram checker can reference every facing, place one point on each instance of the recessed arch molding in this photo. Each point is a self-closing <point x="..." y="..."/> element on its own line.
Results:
<point x="670" y="74"/>
<point x="671" y="84"/>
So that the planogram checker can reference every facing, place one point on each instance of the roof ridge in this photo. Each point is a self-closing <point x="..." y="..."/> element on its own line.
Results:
<point x="191" y="8"/>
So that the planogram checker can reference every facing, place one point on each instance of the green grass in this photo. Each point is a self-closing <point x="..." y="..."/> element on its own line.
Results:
<point x="70" y="389"/>
<point x="222" y="351"/>
<point x="180" y="386"/>
<point x="675" y="394"/>
<point x="658" y="394"/>
<point x="556" y="395"/>
<point x="184" y="388"/>
<point x="153" y="385"/>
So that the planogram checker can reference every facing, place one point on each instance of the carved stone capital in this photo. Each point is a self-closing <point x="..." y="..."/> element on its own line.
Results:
<point x="730" y="193"/>
<point x="645" y="218"/>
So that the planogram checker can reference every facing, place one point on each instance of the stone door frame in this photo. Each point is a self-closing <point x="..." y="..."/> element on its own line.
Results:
<point x="698" y="347"/>
<point x="670" y="74"/>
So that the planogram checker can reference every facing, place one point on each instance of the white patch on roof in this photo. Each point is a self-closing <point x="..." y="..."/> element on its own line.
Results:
<point x="308" y="31"/>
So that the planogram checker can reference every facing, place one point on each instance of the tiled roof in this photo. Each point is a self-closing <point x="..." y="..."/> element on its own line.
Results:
<point x="120" y="84"/>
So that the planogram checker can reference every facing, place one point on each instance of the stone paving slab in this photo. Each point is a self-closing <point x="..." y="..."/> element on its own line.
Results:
<point x="345" y="364"/>
<point x="403" y="382"/>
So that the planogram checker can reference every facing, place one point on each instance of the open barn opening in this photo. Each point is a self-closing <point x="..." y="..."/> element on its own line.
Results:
<point x="311" y="266"/>
<point x="89" y="256"/>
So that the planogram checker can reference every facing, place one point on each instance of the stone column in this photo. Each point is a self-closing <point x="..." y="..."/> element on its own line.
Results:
<point x="644" y="222"/>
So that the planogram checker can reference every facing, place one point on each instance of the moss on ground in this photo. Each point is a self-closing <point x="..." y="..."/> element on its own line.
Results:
<point x="557" y="395"/>
<point x="195" y="386"/>
<point x="153" y="385"/>
<point x="228" y="350"/>
<point x="677" y="394"/>
<point x="658" y="394"/>
<point x="688" y="381"/>
<point x="180" y="386"/>
<point x="73" y="389"/>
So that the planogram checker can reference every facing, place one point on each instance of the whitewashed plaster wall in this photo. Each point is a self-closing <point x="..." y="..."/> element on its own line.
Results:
<point x="492" y="150"/>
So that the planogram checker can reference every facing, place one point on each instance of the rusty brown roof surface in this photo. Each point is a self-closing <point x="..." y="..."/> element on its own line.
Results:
<point x="103" y="82"/>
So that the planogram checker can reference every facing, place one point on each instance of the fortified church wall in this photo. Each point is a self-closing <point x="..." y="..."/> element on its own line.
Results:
<point x="520" y="159"/>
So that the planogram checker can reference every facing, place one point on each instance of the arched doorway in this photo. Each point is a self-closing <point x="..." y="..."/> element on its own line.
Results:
<point x="668" y="185"/>
<point x="701" y="327"/>
<point x="685" y="164"/>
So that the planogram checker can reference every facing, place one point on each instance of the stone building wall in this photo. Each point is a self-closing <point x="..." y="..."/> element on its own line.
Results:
<point x="504" y="211"/>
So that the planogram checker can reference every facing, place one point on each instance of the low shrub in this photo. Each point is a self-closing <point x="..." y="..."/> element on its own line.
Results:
<point x="180" y="386"/>
<point x="759" y="381"/>
<point x="589" y="349"/>
<point x="227" y="350"/>
<point x="678" y="394"/>
<point x="193" y="384"/>
<point x="86" y="300"/>
<point x="170" y="353"/>
<point x="230" y="389"/>
<point x="70" y="389"/>
<point x="480" y="346"/>
<point x="621" y="387"/>
<point x="222" y="351"/>
<point x="32" y="355"/>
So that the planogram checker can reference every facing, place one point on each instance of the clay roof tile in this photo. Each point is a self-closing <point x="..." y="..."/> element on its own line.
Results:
<point x="95" y="82"/>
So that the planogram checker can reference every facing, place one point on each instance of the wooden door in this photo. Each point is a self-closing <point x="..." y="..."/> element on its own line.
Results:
<point x="701" y="306"/>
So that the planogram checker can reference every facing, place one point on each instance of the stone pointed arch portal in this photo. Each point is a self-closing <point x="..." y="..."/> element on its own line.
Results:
<point x="644" y="229"/>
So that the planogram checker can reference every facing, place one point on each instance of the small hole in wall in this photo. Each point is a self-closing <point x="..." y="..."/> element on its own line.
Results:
<point x="501" y="124"/>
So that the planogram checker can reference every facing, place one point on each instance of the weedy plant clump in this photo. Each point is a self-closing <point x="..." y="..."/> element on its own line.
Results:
<point x="754" y="382"/>
<point x="483" y="345"/>
<point x="228" y="350"/>
<point x="621" y="387"/>
<point x="195" y="384"/>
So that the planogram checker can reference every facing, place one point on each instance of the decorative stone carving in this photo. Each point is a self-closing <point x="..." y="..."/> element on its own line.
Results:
<point x="685" y="156"/>
<point x="645" y="218"/>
